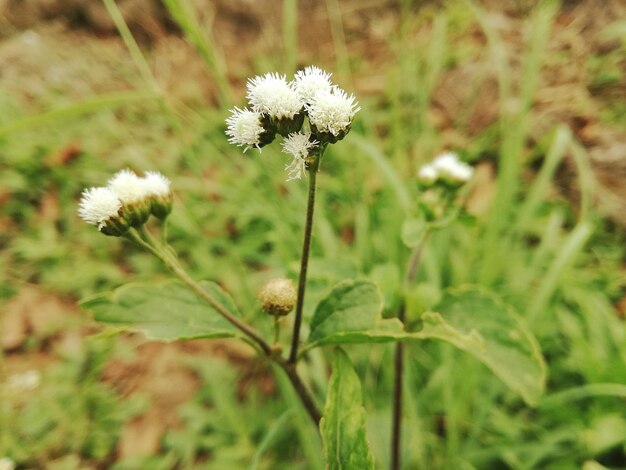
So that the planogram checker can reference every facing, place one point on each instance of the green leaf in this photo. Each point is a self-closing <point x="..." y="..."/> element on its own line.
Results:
<point x="168" y="311"/>
<point x="352" y="313"/>
<point x="343" y="425"/>
<point x="484" y="327"/>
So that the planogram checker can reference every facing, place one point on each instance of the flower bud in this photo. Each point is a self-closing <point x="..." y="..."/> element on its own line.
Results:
<point x="131" y="192"/>
<point x="278" y="296"/>
<point x="157" y="188"/>
<point x="102" y="207"/>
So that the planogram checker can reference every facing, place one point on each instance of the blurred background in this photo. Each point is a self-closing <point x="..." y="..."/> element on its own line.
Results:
<point x="530" y="92"/>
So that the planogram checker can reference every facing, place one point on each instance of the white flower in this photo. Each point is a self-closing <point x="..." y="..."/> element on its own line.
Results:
<point x="244" y="128"/>
<point x="298" y="145"/>
<point x="332" y="111"/>
<point x="271" y="94"/>
<point x="28" y="380"/>
<point x="98" y="205"/>
<point x="155" y="184"/>
<point x="128" y="187"/>
<point x="428" y="173"/>
<point x="7" y="464"/>
<point x="448" y="165"/>
<point x="311" y="81"/>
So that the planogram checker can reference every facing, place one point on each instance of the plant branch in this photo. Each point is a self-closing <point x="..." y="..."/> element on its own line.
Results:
<point x="396" y="421"/>
<point x="304" y="260"/>
<point x="165" y="255"/>
<point x="301" y="390"/>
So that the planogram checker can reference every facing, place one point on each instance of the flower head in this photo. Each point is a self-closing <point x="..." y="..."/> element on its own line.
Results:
<point x="158" y="190"/>
<point x="271" y="94"/>
<point x="278" y="296"/>
<point x="156" y="184"/>
<point x="128" y="187"/>
<point x="245" y="128"/>
<point x="97" y="205"/>
<point x="311" y="81"/>
<point x="447" y="166"/>
<point x="298" y="145"/>
<point x="331" y="112"/>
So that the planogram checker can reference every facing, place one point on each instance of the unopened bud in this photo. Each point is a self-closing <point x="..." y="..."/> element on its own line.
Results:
<point x="278" y="296"/>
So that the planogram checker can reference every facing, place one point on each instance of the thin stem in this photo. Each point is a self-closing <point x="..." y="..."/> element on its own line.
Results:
<point x="172" y="263"/>
<point x="168" y="258"/>
<point x="396" y="421"/>
<point x="304" y="260"/>
<point x="276" y="329"/>
<point x="300" y="388"/>
<point x="398" y="380"/>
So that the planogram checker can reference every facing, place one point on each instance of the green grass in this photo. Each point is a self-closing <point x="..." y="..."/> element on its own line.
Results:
<point x="236" y="221"/>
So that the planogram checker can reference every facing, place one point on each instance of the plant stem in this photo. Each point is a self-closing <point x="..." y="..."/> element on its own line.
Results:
<point x="300" y="388"/>
<point x="304" y="260"/>
<point x="170" y="261"/>
<point x="396" y="421"/>
<point x="398" y="380"/>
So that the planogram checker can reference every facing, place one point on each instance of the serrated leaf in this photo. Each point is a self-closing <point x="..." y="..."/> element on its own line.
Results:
<point x="343" y="426"/>
<point x="485" y="328"/>
<point x="352" y="313"/>
<point x="167" y="312"/>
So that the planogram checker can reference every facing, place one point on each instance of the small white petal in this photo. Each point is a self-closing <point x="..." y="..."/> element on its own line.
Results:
<point x="244" y="128"/>
<point x="155" y="184"/>
<point x="311" y="81"/>
<point x="98" y="205"/>
<point x="128" y="187"/>
<point x="332" y="111"/>
<point x="271" y="94"/>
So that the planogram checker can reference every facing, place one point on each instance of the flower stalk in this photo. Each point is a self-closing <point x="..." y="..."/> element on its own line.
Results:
<point x="144" y="239"/>
<point x="304" y="258"/>
<point x="398" y="380"/>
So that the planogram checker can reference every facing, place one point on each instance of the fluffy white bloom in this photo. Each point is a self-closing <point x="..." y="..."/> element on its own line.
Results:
<point x="28" y="380"/>
<point x="428" y="173"/>
<point x="244" y="128"/>
<point x="155" y="184"/>
<point x="7" y="464"/>
<point x="271" y="94"/>
<point x="311" y="81"/>
<point x="128" y="187"/>
<point x="298" y="146"/>
<point x="98" y="205"/>
<point x="449" y="165"/>
<point x="332" y="111"/>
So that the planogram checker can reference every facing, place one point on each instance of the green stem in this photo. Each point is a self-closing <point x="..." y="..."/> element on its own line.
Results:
<point x="173" y="264"/>
<point x="170" y="261"/>
<point x="396" y="420"/>
<point x="304" y="260"/>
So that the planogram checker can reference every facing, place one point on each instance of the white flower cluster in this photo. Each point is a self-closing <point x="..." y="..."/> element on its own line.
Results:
<point x="446" y="167"/>
<point x="280" y="107"/>
<point x="127" y="200"/>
